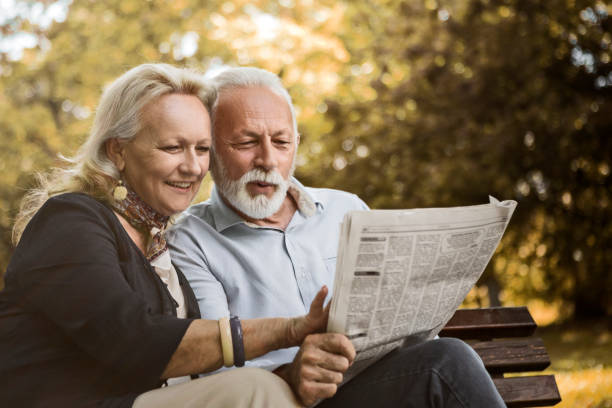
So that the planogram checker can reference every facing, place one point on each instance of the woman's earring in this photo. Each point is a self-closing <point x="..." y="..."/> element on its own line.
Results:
<point x="120" y="192"/>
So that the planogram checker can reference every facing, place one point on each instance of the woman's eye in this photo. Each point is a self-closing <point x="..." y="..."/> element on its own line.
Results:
<point x="172" y="148"/>
<point x="203" y="149"/>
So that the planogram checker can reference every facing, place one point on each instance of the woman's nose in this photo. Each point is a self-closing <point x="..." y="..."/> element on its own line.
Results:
<point x="191" y="164"/>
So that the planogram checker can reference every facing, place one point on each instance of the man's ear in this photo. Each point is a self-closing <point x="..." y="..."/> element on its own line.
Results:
<point x="115" y="150"/>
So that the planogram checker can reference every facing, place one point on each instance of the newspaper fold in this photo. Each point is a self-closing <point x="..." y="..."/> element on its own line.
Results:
<point x="401" y="274"/>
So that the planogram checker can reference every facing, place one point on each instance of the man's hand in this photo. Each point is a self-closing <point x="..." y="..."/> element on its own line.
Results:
<point x="319" y="366"/>
<point x="314" y="322"/>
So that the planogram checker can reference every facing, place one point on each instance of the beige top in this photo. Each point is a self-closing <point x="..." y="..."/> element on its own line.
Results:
<point x="164" y="268"/>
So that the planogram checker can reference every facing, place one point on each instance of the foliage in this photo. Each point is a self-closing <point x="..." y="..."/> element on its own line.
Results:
<point x="405" y="103"/>
<point x="443" y="103"/>
<point x="48" y="96"/>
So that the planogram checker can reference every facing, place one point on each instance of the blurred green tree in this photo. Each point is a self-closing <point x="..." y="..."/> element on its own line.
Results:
<point x="430" y="103"/>
<point x="444" y="102"/>
<point x="48" y="93"/>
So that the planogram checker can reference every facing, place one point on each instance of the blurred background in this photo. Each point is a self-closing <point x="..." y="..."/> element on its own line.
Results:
<point x="406" y="103"/>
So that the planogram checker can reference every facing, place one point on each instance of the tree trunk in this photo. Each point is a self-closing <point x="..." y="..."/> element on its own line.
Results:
<point x="588" y="307"/>
<point x="493" y="289"/>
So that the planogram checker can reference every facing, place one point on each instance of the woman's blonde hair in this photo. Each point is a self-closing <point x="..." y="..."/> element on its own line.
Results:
<point x="118" y="115"/>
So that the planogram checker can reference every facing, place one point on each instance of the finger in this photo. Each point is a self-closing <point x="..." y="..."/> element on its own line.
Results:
<point x="317" y="302"/>
<point x="325" y="390"/>
<point x="324" y="375"/>
<point x="327" y="307"/>
<point x="313" y="358"/>
<point x="334" y="362"/>
<point x="321" y="374"/>
<point x="311" y="391"/>
<point x="337" y="343"/>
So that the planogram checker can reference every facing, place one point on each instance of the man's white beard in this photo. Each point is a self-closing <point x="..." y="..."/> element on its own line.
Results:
<point x="236" y="193"/>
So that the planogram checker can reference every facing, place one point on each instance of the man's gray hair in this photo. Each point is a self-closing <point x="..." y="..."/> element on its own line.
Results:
<point x="244" y="77"/>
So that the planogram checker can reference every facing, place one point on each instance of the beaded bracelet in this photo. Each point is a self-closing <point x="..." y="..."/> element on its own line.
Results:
<point x="237" y="341"/>
<point x="226" y="342"/>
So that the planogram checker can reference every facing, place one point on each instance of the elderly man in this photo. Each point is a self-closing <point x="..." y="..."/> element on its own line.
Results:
<point x="263" y="245"/>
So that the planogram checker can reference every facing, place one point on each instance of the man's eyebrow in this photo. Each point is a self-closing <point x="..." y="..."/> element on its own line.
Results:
<point x="249" y="133"/>
<point x="282" y="132"/>
<point x="252" y="133"/>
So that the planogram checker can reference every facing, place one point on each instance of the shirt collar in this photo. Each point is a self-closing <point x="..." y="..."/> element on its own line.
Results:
<point x="226" y="217"/>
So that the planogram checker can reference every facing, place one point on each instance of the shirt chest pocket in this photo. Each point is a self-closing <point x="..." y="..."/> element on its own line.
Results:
<point x="330" y="265"/>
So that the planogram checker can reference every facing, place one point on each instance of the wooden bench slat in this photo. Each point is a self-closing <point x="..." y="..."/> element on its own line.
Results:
<point x="516" y="355"/>
<point x="532" y="391"/>
<point x="512" y="354"/>
<point x="489" y="323"/>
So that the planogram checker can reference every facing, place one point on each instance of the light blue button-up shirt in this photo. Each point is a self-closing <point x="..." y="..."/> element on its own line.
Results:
<point x="237" y="268"/>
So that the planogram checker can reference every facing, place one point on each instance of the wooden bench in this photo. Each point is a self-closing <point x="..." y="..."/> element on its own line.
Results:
<point x="503" y="338"/>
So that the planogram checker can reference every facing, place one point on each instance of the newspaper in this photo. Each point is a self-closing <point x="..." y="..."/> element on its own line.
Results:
<point x="401" y="274"/>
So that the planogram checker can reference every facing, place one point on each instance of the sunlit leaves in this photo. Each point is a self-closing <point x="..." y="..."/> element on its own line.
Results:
<point x="406" y="103"/>
<point x="49" y="95"/>
<point x="489" y="99"/>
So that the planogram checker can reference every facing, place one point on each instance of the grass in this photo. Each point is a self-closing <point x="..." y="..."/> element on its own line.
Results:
<point x="581" y="355"/>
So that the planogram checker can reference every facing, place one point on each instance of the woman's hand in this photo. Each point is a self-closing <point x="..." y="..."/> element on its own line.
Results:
<point x="314" y="322"/>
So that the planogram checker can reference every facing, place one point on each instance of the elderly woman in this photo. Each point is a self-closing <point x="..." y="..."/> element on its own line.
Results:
<point x="93" y="312"/>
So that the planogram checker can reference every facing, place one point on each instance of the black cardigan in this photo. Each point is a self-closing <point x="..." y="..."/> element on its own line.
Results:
<point x="84" y="318"/>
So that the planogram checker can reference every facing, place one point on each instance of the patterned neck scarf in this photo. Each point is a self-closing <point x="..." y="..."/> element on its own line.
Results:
<point x="145" y="219"/>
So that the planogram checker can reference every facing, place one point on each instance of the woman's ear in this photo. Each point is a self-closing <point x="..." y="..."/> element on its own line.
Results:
<point x="115" y="150"/>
